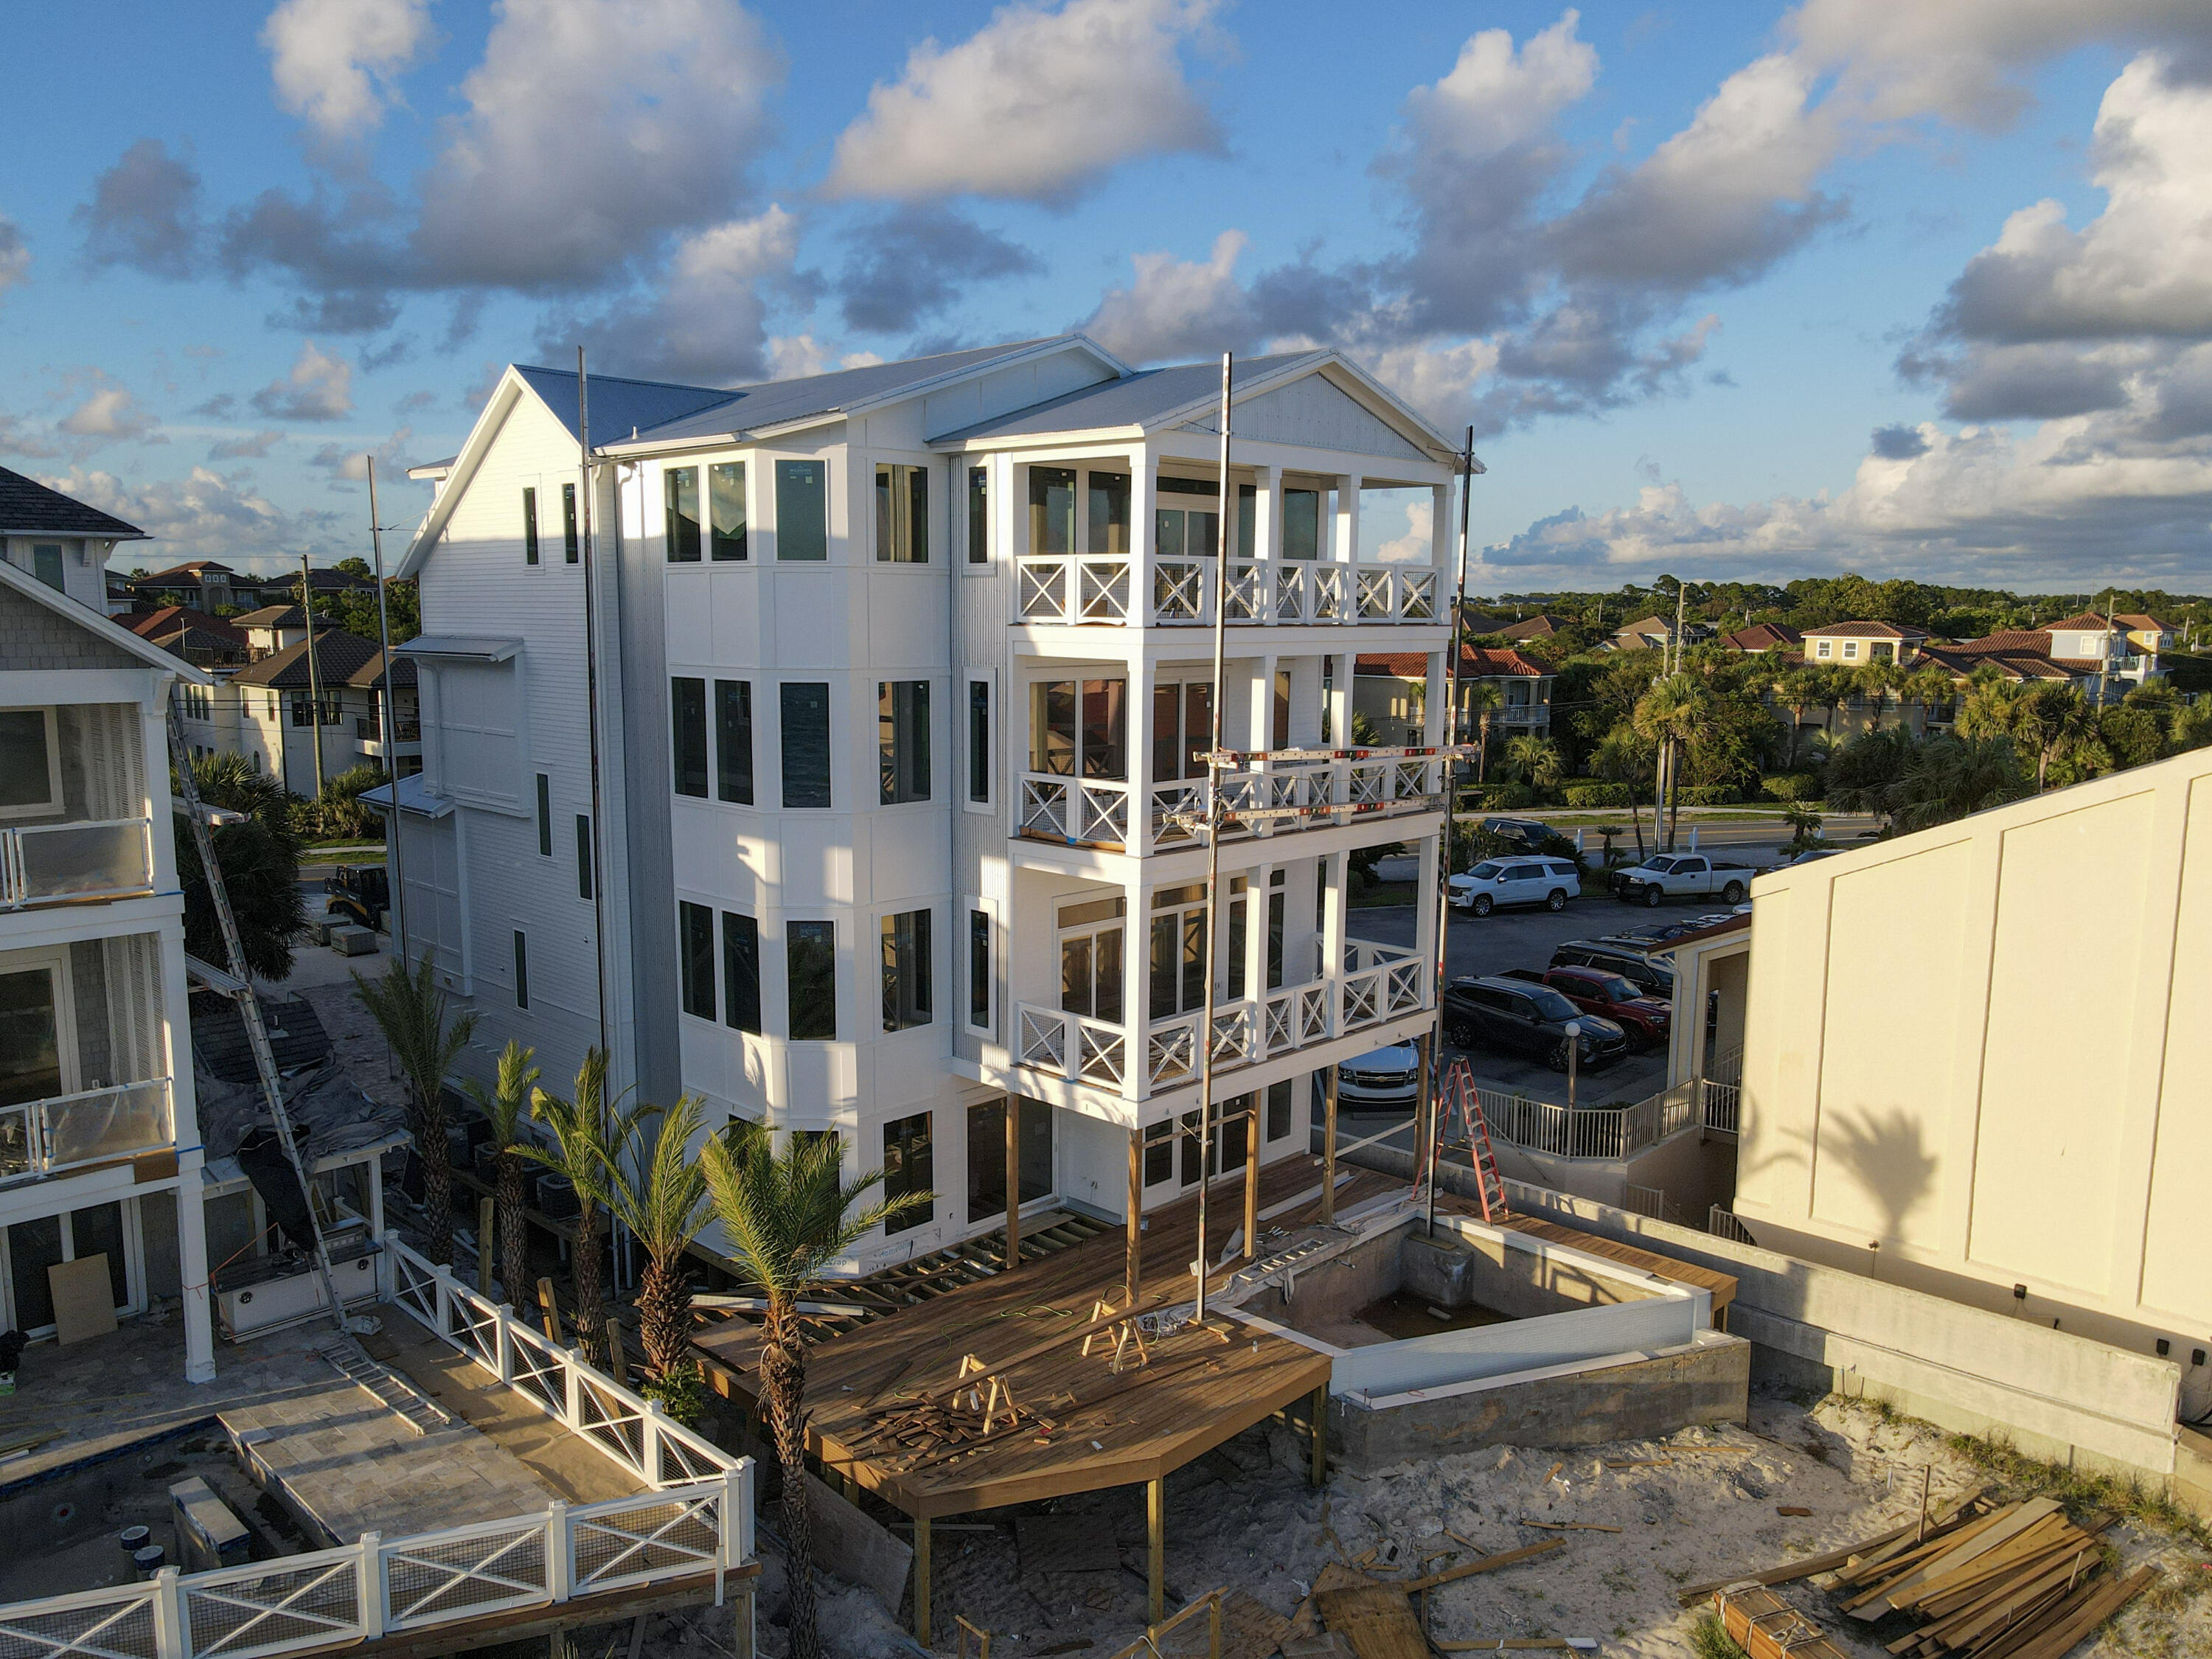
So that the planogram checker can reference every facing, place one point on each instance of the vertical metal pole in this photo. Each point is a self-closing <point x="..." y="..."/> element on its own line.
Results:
<point x="1432" y="1044"/>
<point x="314" y="674"/>
<point x="1213" y="818"/>
<point x="398" y="871"/>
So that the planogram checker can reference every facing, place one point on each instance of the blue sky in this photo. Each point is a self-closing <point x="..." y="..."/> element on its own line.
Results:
<point x="1751" y="291"/>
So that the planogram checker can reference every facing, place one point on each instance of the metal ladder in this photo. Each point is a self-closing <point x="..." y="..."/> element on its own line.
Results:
<point x="240" y="989"/>
<point x="1459" y="1099"/>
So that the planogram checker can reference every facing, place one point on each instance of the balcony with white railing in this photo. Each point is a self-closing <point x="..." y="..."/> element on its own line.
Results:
<point x="64" y="1132"/>
<point x="1111" y="589"/>
<point x="76" y="862"/>
<point x="1379" y="983"/>
<point x="1268" y="798"/>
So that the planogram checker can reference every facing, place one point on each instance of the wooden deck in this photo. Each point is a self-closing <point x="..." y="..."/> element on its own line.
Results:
<point x="1722" y="1285"/>
<point x="1083" y="1427"/>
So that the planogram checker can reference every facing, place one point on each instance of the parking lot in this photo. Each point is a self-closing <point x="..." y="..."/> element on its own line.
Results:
<point x="1526" y="938"/>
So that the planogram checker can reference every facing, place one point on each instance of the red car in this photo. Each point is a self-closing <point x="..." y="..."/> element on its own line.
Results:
<point x="1646" y="1018"/>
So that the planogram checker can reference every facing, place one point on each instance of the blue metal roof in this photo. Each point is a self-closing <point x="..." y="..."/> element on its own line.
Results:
<point x="618" y="404"/>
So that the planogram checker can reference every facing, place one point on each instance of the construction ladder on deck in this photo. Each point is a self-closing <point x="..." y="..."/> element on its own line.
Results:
<point x="1459" y="1101"/>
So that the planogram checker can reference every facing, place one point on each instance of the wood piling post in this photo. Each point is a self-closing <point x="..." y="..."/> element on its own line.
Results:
<point x="922" y="1579"/>
<point x="1328" y="1147"/>
<point x="1252" y="1178"/>
<point x="487" y="1219"/>
<point x="1156" y="1551"/>
<point x="1318" y="1435"/>
<point x="1014" y="1182"/>
<point x="1134" y="1263"/>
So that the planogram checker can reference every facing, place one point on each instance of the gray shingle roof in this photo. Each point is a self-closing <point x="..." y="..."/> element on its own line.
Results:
<point x="338" y="656"/>
<point x="1133" y="400"/>
<point x="28" y="508"/>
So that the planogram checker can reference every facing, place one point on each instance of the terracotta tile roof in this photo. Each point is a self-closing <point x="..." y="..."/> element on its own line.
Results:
<point x="152" y="624"/>
<point x="1473" y="659"/>
<point x="1762" y="636"/>
<point x="2085" y="622"/>
<point x="1541" y="626"/>
<point x="190" y="571"/>
<point x="2015" y="664"/>
<point x="1866" y="630"/>
<point x="1645" y="625"/>
<point x="2008" y="639"/>
<point x="2145" y="624"/>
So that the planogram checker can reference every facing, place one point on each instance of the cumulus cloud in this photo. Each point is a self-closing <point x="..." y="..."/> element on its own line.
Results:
<point x="707" y="320"/>
<point x="144" y="213"/>
<point x="204" y="511"/>
<point x="246" y="446"/>
<point x="1036" y="105"/>
<point x="333" y="60"/>
<point x="1900" y="443"/>
<point x="349" y="463"/>
<point x="1176" y="307"/>
<point x="318" y="387"/>
<point x="21" y="438"/>
<point x="15" y="255"/>
<point x="109" y="412"/>
<point x="914" y="263"/>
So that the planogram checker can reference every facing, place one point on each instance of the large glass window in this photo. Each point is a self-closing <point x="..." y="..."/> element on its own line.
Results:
<point x="741" y="983"/>
<point x="908" y="1165"/>
<point x="805" y="744"/>
<point x="47" y="564"/>
<point x="907" y="1001"/>
<point x="29" y="777"/>
<point x="1108" y="496"/>
<point x="979" y="969"/>
<point x="1178" y="951"/>
<point x="979" y="741"/>
<point x="1091" y="958"/>
<point x="986" y="1156"/>
<point x="680" y="506"/>
<point x="902" y="515"/>
<point x="1187" y="523"/>
<point x="725" y="509"/>
<point x="809" y="968"/>
<point x="733" y="741"/>
<point x="30" y="1043"/>
<point x="544" y="816"/>
<point x="583" y="856"/>
<point x="1302" y="524"/>
<point x="529" y="525"/>
<point x="687" y="708"/>
<point x="1182" y="731"/>
<point x="1079" y="728"/>
<point x="570" y="537"/>
<point x="521" y="969"/>
<point x="903" y="736"/>
<point x="1248" y="520"/>
<point x="1279" y="1109"/>
<point x="802" y="510"/>
<point x="694" y="946"/>
<point x="1052" y="509"/>
<point x="978" y="515"/>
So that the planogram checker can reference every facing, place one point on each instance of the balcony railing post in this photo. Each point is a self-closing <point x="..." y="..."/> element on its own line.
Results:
<point x="651" y="1427"/>
<point x="503" y="1341"/>
<point x="373" y="1601"/>
<point x="736" y="1516"/>
<point x="572" y="1379"/>
<point x="560" y="1552"/>
<point x="172" y="1636"/>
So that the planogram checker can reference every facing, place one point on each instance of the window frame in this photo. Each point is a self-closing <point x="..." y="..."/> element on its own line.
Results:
<point x="718" y="539"/>
<point x="530" y="524"/>
<point x="677" y="545"/>
<point x="679" y="730"/>
<point x="792" y="935"/>
<point x="987" y="911"/>
<point x="976" y="505"/>
<point x="784" y="747"/>
<point x="987" y="753"/>
<point x="544" y="815"/>
<point x="720" y="720"/>
<point x="521" y="969"/>
<point x="907" y="943"/>
<point x="783" y="466"/>
<point x="902" y="522"/>
<point x="731" y="938"/>
<point x="53" y="800"/>
<point x="902" y="1151"/>
<point x="691" y="993"/>
<point x="586" y="870"/>
<point x="571" y="530"/>
<point x="903" y="742"/>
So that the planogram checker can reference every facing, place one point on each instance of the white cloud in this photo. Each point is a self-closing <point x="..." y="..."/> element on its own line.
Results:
<point x="348" y="463"/>
<point x="244" y="447"/>
<point x="1175" y="308"/>
<point x="15" y="255"/>
<point x="1496" y="98"/>
<point x="1413" y="542"/>
<point x="319" y="387"/>
<point x="1036" y="105"/>
<point x="593" y="127"/>
<point x="201" y="513"/>
<point x="333" y="60"/>
<point x="1439" y="380"/>
<point x="794" y="356"/>
<point x="111" y="413"/>
<point x="708" y="320"/>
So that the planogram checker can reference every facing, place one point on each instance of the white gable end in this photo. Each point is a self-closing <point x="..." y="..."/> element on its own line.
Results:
<point x="1019" y="386"/>
<point x="1311" y="412"/>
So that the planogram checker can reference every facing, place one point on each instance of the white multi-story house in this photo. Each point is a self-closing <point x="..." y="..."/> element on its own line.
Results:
<point x="903" y="677"/>
<point x="99" y="1152"/>
<point x="268" y="711"/>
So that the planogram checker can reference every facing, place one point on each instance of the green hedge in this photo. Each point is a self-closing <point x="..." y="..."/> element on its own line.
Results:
<point x="1710" y="794"/>
<point x="1598" y="794"/>
<point x="1790" y="787"/>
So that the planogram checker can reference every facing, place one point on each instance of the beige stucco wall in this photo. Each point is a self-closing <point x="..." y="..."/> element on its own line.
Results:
<point x="1988" y="1048"/>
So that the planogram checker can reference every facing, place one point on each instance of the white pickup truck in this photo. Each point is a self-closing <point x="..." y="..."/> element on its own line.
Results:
<point x="1682" y="875"/>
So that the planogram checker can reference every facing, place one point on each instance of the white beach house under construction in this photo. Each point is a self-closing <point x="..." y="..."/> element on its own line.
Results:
<point x="902" y="681"/>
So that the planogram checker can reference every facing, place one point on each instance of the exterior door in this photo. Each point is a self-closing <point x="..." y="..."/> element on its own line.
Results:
<point x="29" y="1248"/>
<point x="1091" y="972"/>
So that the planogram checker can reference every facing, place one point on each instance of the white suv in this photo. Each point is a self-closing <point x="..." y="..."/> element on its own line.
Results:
<point x="1546" y="881"/>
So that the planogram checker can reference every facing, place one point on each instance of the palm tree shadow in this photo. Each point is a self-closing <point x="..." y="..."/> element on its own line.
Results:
<point x="1886" y="1150"/>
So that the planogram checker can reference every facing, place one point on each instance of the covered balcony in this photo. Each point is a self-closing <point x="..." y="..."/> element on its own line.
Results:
<point x="74" y="826"/>
<point x="84" y="1056"/>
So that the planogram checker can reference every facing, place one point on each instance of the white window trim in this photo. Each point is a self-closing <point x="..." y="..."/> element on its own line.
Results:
<point x="961" y="465"/>
<point x="55" y="959"/>
<point x="969" y="678"/>
<point x="1823" y="648"/>
<point x="52" y="803"/>
<point x="969" y="904"/>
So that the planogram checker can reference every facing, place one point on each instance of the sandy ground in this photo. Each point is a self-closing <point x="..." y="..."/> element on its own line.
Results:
<point x="1241" y="1519"/>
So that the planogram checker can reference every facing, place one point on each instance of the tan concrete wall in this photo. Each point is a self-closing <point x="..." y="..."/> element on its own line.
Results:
<point x="1984" y="1048"/>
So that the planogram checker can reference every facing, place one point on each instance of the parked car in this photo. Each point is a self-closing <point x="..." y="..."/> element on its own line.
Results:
<point x="1531" y="833"/>
<point x="1682" y="875"/>
<point x="1660" y="933"/>
<point x="361" y="893"/>
<point x="1548" y="882"/>
<point x="1609" y="996"/>
<point x="1652" y="976"/>
<point x="1383" y="1080"/>
<point x="1514" y="1017"/>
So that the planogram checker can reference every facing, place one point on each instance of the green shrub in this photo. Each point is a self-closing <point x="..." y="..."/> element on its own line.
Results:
<point x="1790" y="786"/>
<point x="1710" y="794"/>
<point x="1598" y="794"/>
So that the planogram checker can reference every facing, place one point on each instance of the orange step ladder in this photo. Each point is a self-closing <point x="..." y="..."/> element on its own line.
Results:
<point x="1458" y="1099"/>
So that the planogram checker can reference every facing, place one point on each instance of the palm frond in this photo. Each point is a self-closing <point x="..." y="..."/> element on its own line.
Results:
<point x="789" y="1213"/>
<point x="505" y="1104"/>
<point x="411" y="1011"/>
<point x="590" y="1134"/>
<point x="666" y="1204"/>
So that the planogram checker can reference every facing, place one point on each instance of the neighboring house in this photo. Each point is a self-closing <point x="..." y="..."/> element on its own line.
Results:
<point x="1541" y="626"/>
<point x="2096" y="646"/>
<point x="1854" y="644"/>
<point x="1391" y="690"/>
<point x="2149" y="637"/>
<point x="207" y="641"/>
<point x="1760" y="638"/>
<point x="271" y="628"/>
<point x="100" y="1151"/>
<point x="203" y="584"/>
<point x="1932" y="1100"/>
<point x="59" y="540"/>
<point x="903" y="683"/>
<point x="1652" y="634"/>
<point x="270" y="716"/>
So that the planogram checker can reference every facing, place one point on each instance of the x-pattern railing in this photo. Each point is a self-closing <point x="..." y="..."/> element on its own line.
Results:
<point x="91" y="1625"/>
<point x="1103" y="586"/>
<point x="681" y="1534"/>
<point x="1178" y="591"/>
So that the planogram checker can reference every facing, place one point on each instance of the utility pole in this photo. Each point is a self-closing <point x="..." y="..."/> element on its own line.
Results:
<point x="2105" y="649"/>
<point x="392" y="825"/>
<point x="314" y="674"/>
<point x="1214" y="819"/>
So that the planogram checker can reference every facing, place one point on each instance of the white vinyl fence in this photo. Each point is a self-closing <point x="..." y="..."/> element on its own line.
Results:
<point x="697" y="1519"/>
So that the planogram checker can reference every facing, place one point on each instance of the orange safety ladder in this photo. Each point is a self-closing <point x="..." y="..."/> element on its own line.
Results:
<point x="1459" y="1099"/>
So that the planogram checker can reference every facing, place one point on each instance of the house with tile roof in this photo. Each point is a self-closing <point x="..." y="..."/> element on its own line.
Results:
<point x="1760" y="638"/>
<point x="1541" y="626"/>
<point x="1653" y="633"/>
<point x="1853" y="643"/>
<point x="210" y="641"/>
<point x="271" y="628"/>
<point x="1391" y="690"/>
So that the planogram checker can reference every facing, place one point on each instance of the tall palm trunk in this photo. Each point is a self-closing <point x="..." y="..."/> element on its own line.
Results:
<point x="430" y="1130"/>
<point x="664" y="1316"/>
<point x="783" y="1390"/>
<point x="591" y="1308"/>
<point x="513" y="1251"/>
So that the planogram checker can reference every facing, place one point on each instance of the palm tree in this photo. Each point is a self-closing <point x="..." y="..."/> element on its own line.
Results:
<point x="1876" y="680"/>
<point x="1929" y="686"/>
<point x="1670" y="714"/>
<point x="591" y="1136"/>
<point x="1532" y="760"/>
<point x="787" y="1216"/>
<point x="1948" y="778"/>
<point x="1798" y="690"/>
<point x="503" y="1107"/>
<point x="410" y="1011"/>
<point x="1482" y="699"/>
<point x="1986" y="711"/>
<point x="1624" y="756"/>
<point x="664" y="1207"/>
<point x="1832" y="689"/>
<point x="1804" y="825"/>
<point x="2048" y="718"/>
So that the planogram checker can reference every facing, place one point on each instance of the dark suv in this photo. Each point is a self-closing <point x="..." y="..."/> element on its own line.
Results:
<point x="1650" y="975"/>
<point x="1517" y="1017"/>
<point x="1646" y="1018"/>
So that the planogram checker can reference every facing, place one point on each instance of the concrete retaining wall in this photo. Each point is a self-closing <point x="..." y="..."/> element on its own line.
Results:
<point x="1642" y="1396"/>
<point x="1484" y="1351"/>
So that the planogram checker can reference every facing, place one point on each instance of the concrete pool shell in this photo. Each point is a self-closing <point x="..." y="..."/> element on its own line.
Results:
<point x="1577" y="1349"/>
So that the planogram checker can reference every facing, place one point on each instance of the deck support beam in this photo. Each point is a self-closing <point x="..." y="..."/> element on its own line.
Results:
<point x="1328" y="1147"/>
<point x="1317" y="1433"/>
<point x="1014" y="1182"/>
<point x="1132" y="1264"/>
<point x="922" y="1579"/>
<point x="1252" y="1179"/>
<point x="1156" y="1550"/>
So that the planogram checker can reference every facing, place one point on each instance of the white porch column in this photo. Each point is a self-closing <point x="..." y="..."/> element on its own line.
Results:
<point x="192" y="1220"/>
<point x="1347" y="517"/>
<point x="1437" y="705"/>
<point x="1443" y="538"/>
<point x="1140" y="724"/>
<point x="1259" y="890"/>
<point x="1425" y="904"/>
<point x="1142" y="552"/>
<point x="1345" y="666"/>
<point x="1268" y="514"/>
<point x="1137" y="984"/>
<point x="1334" y="873"/>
